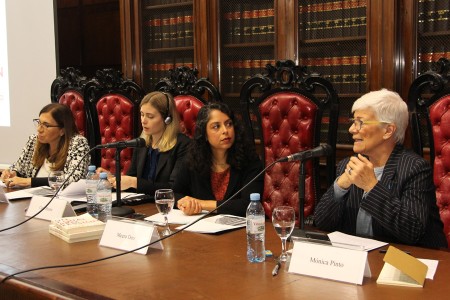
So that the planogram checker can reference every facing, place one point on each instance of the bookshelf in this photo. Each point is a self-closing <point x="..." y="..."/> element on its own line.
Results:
<point x="247" y="43"/>
<point x="433" y="32"/>
<point x="332" y="42"/>
<point x="167" y="38"/>
<point x="359" y="45"/>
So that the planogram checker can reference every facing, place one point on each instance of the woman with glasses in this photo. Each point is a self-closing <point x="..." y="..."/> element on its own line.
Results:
<point x="56" y="146"/>
<point x="220" y="161"/>
<point x="383" y="191"/>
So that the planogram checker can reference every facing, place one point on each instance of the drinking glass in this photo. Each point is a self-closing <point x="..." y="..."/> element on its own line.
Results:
<point x="164" y="200"/>
<point x="55" y="180"/>
<point x="283" y="220"/>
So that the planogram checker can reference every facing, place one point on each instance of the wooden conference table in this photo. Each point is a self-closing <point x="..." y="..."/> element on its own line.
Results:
<point x="191" y="266"/>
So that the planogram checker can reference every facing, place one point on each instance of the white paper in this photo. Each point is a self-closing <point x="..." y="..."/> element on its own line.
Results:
<point x="82" y="198"/>
<point x="210" y="225"/>
<point x="432" y="266"/>
<point x="29" y="192"/>
<point x="175" y="216"/>
<point x="75" y="188"/>
<point x="341" y="240"/>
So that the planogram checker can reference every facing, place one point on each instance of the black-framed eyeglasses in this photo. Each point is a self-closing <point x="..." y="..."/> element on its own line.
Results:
<point x="38" y="123"/>
<point x="359" y="123"/>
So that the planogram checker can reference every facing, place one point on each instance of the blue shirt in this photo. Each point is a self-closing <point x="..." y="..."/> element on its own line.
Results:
<point x="151" y="161"/>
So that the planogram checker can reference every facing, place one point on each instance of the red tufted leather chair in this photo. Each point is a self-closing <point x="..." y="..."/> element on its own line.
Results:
<point x="68" y="89"/>
<point x="114" y="103"/>
<point x="190" y="94"/>
<point x="281" y="109"/>
<point x="429" y="106"/>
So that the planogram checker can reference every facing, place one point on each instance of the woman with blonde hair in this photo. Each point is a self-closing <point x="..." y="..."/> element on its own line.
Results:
<point x="56" y="146"/>
<point x="155" y="166"/>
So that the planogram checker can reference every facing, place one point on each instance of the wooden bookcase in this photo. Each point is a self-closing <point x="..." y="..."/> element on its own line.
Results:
<point x="360" y="45"/>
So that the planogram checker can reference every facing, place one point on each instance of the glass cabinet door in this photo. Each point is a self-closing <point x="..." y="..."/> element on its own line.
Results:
<point x="247" y="43"/>
<point x="167" y="38"/>
<point x="332" y="43"/>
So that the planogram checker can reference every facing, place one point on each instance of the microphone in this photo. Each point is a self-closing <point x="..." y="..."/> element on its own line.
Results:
<point x="322" y="150"/>
<point x="134" y="143"/>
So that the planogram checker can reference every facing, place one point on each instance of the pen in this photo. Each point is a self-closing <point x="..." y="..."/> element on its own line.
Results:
<point x="384" y="251"/>
<point x="276" y="268"/>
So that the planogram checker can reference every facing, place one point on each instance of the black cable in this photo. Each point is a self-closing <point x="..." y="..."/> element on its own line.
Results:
<point x="147" y="245"/>
<point x="53" y="197"/>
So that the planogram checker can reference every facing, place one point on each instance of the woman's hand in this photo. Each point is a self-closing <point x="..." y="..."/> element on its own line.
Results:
<point x="7" y="174"/>
<point x="17" y="182"/>
<point x="126" y="182"/>
<point x="189" y="205"/>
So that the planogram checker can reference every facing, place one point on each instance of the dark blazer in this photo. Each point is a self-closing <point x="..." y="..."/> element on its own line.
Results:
<point x="168" y="165"/>
<point x="190" y="183"/>
<point x="402" y="204"/>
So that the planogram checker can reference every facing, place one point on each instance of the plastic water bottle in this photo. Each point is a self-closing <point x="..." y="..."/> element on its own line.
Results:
<point x="91" y="191"/>
<point x="256" y="229"/>
<point x="104" y="199"/>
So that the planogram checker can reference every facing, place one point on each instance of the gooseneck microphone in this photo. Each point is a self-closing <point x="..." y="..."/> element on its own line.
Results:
<point x="134" y="143"/>
<point x="322" y="150"/>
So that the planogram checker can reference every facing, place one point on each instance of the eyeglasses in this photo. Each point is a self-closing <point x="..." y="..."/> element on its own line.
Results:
<point x="359" y="123"/>
<point x="38" y="123"/>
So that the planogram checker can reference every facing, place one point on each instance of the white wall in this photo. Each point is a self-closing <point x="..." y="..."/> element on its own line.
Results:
<point x="32" y="68"/>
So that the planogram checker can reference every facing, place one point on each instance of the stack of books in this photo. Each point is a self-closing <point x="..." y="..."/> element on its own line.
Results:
<point x="77" y="229"/>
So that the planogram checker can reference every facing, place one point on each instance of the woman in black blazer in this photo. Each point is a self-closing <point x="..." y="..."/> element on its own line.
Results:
<point x="384" y="191"/>
<point x="220" y="161"/>
<point x="155" y="166"/>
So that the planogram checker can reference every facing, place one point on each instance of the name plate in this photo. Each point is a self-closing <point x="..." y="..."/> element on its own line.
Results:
<point x="58" y="208"/>
<point x="129" y="235"/>
<point x="326" y="261"/>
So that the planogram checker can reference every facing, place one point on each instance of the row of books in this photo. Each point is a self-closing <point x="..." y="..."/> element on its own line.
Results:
<point x="247" y="24"/>
<point x="168" y="30"/>
<point x="332" y="18"/>
<point x="434" y="15"/>
<point x="236" y="72"/>
<point x="427" y="60"/>
<point x="157" y="71"/>
<point x="346" y="73"/>
<point x="163" y="2"/>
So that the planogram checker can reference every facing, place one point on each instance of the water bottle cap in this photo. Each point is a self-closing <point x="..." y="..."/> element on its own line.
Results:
<point x="255" y="197"/>
<point x="91" y="168"/>
<point x="103" y="175"/>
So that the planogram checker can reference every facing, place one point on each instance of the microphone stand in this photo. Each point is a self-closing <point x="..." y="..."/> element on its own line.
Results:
<point x="300" y="232"/>
<point x="119" y="210"/>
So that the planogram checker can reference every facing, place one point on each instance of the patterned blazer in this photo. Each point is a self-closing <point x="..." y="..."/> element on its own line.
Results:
<point x="402" y="204"/>
<point x="76" y="161"/>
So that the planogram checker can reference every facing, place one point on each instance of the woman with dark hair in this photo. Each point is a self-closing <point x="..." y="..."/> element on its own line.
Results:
<point x="155" y="166"/>
<point x="56" y="146"/>
<point x="220" y="161"/>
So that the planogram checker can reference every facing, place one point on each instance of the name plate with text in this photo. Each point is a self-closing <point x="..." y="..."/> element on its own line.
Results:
<point x="129" y="235"/>
<point x="58" y="208"/>
<point x="326" y="261"/>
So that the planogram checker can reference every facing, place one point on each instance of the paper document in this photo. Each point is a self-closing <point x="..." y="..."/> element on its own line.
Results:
<point x="82" y="198"/>
<point x="30" y="192"/>
<point x="215" y="224"/>
<point x="175" y="216"/>
<point x="340" y="239"/>
<point x="75" y="188"/>
<point x="432" y="266"/>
